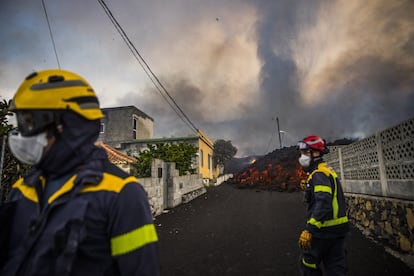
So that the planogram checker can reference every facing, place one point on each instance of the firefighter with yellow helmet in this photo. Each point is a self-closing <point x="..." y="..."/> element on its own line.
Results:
<point x="323" y="240"/>
<point x="74" y="213"/>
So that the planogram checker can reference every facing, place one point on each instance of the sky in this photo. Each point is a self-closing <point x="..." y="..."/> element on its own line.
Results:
<point x="334" y="68"/>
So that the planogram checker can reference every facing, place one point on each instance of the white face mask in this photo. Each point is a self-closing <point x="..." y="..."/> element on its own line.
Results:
<point x="29" y="149"/>
<point x="304" y="160"/>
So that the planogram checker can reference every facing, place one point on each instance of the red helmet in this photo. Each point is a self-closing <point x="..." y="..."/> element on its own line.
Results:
<point x="313" y="142"/>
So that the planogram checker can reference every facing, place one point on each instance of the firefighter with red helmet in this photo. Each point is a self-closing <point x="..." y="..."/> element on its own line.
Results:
<point x="323" y="239"/>
<point x="74" y="213"/>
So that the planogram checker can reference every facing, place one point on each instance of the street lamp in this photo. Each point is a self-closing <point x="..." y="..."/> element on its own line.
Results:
<point x="280" y="138"/>
<point x="287" y="134"/>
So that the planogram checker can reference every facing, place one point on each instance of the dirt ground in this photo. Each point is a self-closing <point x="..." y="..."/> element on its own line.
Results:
<point x="230" y="231"/>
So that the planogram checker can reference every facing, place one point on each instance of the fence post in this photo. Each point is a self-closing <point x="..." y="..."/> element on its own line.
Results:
<point x="381" y="165"/>
<point x="341" y="168"/>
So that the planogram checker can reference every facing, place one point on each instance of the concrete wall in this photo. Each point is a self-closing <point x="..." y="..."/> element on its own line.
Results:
<point x="223" y="178"/>
<point x="166" y="189"/>
<point x="377" y="174"/>
<point x="118" y="125"/>
<point x="379" y="165"/>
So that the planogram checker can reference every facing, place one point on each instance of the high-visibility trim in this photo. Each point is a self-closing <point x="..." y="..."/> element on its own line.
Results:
<point x="110" y="183"/>
<point x="308" y="264"/>
<point x="323" y="169"/>
<point x="335" y="204"/>
<point x="328" y="223"/>
<point x="67" y="187"/>
<point x="28" y="192"/>
<point x="322" y="188"/>
<point x="42" y="181"/>
<point x="133" y="240"/>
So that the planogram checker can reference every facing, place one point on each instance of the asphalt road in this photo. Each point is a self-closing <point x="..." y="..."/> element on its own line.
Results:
<point x="230" y="231"/>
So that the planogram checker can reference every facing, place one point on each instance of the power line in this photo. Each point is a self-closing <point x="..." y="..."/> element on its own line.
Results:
<point x="154" y="79"/>
<point x="51" y="34"/>
<point x="273" y="131"/>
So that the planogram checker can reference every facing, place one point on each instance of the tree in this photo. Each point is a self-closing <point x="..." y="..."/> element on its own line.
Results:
<point x="223" y="151"/>
<point x="181" y="154"/>
<point x="12" y="169"/>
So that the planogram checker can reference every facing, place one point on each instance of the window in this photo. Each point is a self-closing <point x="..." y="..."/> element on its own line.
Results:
<point x="201" y="158"/>
<point x="209" y="162"/>
<point x="134" y="127"/>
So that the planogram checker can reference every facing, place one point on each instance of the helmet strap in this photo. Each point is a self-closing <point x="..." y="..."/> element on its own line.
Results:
<point x="55" y="129"/>
<point x="313" y="158"/>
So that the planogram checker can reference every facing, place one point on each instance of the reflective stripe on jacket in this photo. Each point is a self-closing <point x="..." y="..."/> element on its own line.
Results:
<point x="91" y="229"/>
<point x="326" y="212"/>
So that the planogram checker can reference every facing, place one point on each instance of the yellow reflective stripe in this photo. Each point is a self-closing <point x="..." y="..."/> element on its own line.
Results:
<point x="335" y="205"/>
<point x="323" y="168"/>
<point x="42" y="181"/>
<point x="67" y="187"/>
<point x="308" y="264"/>
<point x="322" y="188"/>
<point x="133" y="240"/>
<point x="326" y="170"/>
<point x="110" y="183"/>
<point x="28" y="192"/>
<point x="328" y="223"/>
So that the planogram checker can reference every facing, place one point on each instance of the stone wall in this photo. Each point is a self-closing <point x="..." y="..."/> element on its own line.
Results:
<point x="167" y="189"/>
<point x="387" y="220"/>
<point x="153" y="187"/>
<point x="183" y="188"/>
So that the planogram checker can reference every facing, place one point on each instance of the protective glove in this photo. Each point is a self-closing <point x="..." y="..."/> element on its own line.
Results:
<point x="305" y="239"/>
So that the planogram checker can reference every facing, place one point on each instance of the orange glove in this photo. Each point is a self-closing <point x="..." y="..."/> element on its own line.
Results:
<point x="305" y="239"/>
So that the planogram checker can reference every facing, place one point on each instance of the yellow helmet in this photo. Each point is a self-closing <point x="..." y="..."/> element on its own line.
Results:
<point x="57" y="90"/>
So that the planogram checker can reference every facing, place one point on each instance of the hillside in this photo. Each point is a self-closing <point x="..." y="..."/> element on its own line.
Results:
<point x="278" y="170"/>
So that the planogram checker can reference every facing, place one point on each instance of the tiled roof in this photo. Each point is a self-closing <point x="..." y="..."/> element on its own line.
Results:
<point x="114" y="155"/>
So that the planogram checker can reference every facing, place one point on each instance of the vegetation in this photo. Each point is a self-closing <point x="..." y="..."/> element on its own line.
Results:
<point x="12" y="169"/>
<point x="223" y="151"/>
<point x="181" y="154"/>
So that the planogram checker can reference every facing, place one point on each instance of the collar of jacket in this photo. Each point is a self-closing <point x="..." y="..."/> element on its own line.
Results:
<point x="31" y="192"/>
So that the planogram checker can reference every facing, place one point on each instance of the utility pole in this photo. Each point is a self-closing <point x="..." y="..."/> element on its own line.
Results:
<point x="278" y="132"/>
<point x="3" y="149"/>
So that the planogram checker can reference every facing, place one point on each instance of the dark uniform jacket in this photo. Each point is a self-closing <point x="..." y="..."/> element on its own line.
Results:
<point x="326" y="207"/>
<point x="90" y="225"/>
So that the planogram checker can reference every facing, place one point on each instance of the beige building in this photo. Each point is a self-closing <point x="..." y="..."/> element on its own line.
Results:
<point x="125" y="123"/>
<point x="203" y="161"/>
<point x="128" y="130"/>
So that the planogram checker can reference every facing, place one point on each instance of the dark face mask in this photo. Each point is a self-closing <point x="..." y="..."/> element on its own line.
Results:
<point x="73" y="146"/>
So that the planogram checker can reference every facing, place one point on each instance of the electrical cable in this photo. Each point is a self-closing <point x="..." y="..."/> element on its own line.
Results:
<point x="272" y="135"/>
<point x="51" y="34"/>
<point x="154" y="79"/>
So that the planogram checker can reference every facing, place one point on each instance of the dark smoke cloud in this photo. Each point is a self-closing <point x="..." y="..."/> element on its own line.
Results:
<point x="329" y="67"/>
<point x="358" y="89"/>
<point x="333" y="68"/>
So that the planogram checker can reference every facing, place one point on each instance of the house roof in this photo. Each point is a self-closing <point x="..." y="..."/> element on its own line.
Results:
<point x="114" y="155"/>
<point x="129" y="107"/>
<point x="191" y="138"/>
<point x="162" y="140"/>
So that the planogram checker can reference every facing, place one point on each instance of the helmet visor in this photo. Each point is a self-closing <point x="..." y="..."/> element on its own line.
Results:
<point x="303" y="146"/>
<point x="31" y="122"/>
